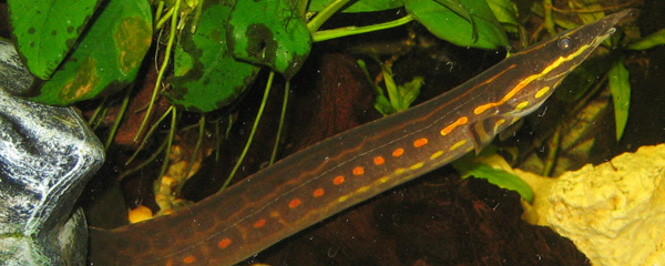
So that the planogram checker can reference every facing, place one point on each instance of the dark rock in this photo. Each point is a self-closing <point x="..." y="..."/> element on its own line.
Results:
<point x="47" y="154"/>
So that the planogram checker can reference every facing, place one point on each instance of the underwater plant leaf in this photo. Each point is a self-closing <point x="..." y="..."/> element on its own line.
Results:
<point x="620" y="87"/>
<point x="410" y="91"/>
<point x="206" y="76"/>
<point x="357" y="6"/>
<point x="276" y="36"/>
<point x="467" y="167"/>
<point x="483" y="31"/>
<point x="505" y="11"/>
<point x="655" y="39"/>
<point x="457" y="7"/>
<point x="107" y="58"/>
<point x="45" y="30"/>
<point x="382" y="104"/>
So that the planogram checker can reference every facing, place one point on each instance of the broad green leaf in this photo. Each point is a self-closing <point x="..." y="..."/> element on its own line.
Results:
<point x="45" y="30"/>
<point x="384" y="107"/>
<point x="409" y="92"/>
<point x="655" y="39"/>
<point x="505" y="11"/>
<point x="207" y="77"/>
<point x="108" y="57"/>
<point x="457" y="7"/>
<point x="269" y="33"/>
<point x="357" y="6"/>
<point x="483" y="31"/>
<point x="467" y="166"/>
<point x="620" y="87"/>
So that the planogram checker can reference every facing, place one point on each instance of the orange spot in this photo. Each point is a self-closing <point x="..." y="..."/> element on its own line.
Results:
<point x="260" y="223"/>
<point x="274" y="214"/>
<point x="398" y="152"/>
<point x="420" y="142"/>
<point x="141" y="213"/>
<point x="224" y="243"/>
<point x="318" y="192"/>
<point x="481" y="109"/>
<point x="378" y="160"/>
<point x="359" y="170"/>
<point x="460" y="121"/>
<point x="338" y="180"/>
<point x="294" y="203"/>
<point x="189" y="259"/>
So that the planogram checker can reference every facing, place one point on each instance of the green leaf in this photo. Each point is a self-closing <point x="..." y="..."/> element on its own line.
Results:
<point x="384" y="107"/>
<point x="655" y="39"/>
<point x="409" y="92"/>
<point x="620" y="87"/>
<point x="357" y="6"/>
<point x="483" y="31"/>
<point x="269" y="33"/>
<point x="400" y="97"/>
<point x="505" y="11"/>
<point x="457" y="7"/>
<point x="45" y="30"/>
<point x="108" y="57"/>
<point x="468" y="167"/>
<point x="207" y="77"/>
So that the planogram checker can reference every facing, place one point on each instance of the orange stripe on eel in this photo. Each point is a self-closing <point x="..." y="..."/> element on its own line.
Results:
<point x="398" y="152"/>
<point x="460" y="121"/>
<point x="294" y="203"/>
<point x="224" y="243"/>
<point x="189" y="259"/>
<point x="318" y="192"/>
<point x="420" y="142"/>
<point x="358" y="170"/>
<point x="260" y="223"/>
<point x="378" y="160"/>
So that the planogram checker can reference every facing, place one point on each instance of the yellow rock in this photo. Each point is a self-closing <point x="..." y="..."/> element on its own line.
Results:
<point x="613" y="212"/>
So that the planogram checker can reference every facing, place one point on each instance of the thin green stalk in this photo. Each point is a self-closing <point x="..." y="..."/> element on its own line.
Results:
<point x="197" y="16"/>
<point x="167" y="152"/>
<point x="251" y="134"/>
<point x="195" y="153"/>
<point x="144" y="163"/>
<point x="160" y="23"/>
<point x="158" y="11"/>
<point x="227" y="132"/>
<point x="325" y="35"/>
<point x="217" y="141"/>
<point x="301" y="7"/>
<point x="118" y="119"/>
<point x="162" y="70"/>
<point x="282" y="117"/>
<point x="320" y="18"/>
<point x="549" y="20"/>
<point x="147" y="135"/>
<point x="100" y="118"/>
<point x="93" y="119"/>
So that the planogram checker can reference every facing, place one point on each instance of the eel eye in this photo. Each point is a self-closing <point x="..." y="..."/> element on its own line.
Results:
<point x="565" y="43"/>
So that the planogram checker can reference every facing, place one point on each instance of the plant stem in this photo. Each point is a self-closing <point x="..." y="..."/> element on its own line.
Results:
<point x="162" y="70"/>
<point x="253" y="132"/>
<point x="282" y="117"/>
<point x="325" y="35"/>
<point x="325" y="14"/>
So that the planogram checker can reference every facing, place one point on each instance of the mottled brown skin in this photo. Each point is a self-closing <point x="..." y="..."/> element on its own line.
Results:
<point x="351" y="167"/>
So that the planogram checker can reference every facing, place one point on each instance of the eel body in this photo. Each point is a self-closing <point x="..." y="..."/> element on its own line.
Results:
<point x="351" y="167"/>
